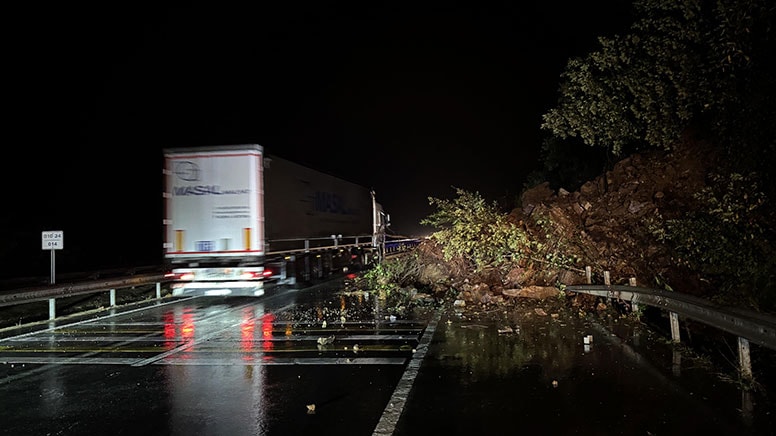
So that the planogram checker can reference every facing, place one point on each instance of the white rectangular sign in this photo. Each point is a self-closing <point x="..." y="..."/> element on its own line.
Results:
<point x="53" y="240"/>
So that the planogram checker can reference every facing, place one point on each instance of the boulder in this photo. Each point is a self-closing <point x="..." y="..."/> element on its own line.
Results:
<point x="538" y="292"/>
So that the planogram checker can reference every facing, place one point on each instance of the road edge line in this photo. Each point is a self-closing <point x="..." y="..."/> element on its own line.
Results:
<point x="395" y="406"/>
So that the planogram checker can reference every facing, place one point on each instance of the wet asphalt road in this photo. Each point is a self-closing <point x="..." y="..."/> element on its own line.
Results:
<point x="529" y="371"/>
<point x="271" y="367"/>
<point x="210" y="366"/>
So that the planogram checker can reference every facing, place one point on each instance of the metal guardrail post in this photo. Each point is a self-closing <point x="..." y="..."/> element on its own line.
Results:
<point x="634" y="305"/>
<point x="289" y="278"/>
<point x="675" y="333"/>
<point x="284" y="269"/>
<point x="307" y="272"/>
<point x="744" y="358"/>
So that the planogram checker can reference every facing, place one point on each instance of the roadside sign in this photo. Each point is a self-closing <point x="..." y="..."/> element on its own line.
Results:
<point x="53" y="240"/>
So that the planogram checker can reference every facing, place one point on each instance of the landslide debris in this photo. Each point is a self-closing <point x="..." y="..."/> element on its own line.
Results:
<point x="603" y="225"/>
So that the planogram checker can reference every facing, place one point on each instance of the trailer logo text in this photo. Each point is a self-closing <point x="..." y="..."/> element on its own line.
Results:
<point x="187" y="170"/>
<point x="180" y="191"/>
<point x="331" y="203"/>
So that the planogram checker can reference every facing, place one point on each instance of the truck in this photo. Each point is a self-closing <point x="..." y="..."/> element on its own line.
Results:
<point x="236" y="219"/>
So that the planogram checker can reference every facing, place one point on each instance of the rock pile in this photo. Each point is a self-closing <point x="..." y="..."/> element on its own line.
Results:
<point x="603" y="225"/>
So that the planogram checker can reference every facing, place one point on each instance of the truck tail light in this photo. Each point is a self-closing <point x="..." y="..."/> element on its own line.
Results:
<point x="252" y="275"/>
<point x="187" y="276"/>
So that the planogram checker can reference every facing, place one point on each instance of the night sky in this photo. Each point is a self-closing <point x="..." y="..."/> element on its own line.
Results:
<point x="410" y="99"/>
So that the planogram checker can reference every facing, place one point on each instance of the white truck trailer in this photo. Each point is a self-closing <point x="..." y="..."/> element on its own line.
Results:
<point x="231" y="211"/>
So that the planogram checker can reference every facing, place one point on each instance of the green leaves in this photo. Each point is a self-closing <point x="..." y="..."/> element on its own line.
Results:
<point x="475" y="230"/>
<point x="684" y="64"/>
<point x="636" y="89"/>
<point x="726" y="239"/>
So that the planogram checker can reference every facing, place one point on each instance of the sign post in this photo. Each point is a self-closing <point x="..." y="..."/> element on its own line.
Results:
<point x="53" y="240"/>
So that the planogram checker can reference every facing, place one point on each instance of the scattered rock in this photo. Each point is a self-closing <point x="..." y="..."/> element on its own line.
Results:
<point x="539" y="292"/>
<point x="510" y="292"/>
<point x="326" y="341"/>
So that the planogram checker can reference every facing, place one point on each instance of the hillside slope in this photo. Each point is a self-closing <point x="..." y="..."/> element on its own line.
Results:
<point x="604" y="225"/>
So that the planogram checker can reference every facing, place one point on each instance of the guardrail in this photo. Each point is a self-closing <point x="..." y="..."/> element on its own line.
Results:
<point x="55" y="291"/>
<point x="15" y="283"/>
<point x="283" y="247"/>
<point x="90" y="285"/>
<point x="748" y="326"/>
<point x="292" y="247"/>
<point x="308" y="245"/>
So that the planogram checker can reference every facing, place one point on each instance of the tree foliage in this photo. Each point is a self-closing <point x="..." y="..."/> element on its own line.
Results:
<point x="471" y="228"/>
<point x="727" y="240"/>
<point x="636" y="88"/>
<point x="740" y="83"/>
<point x="684" y="63"/>
<point x="393" y="280"/>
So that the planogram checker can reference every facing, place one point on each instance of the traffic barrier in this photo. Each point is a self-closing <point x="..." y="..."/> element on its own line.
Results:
<point x="748" y="326"/>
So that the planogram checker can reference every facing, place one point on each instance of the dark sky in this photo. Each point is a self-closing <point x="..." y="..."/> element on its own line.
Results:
<point x="410" y="99"/>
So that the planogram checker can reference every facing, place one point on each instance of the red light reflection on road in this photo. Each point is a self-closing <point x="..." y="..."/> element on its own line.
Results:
<point x="169" y="330"/>
<point x="177" y="332"/>
<point x="247" y="329"/>
<point x="266" y="332"/>
<point x="187" y="328"/>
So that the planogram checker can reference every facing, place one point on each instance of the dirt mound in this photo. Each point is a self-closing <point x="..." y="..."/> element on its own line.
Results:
<point x="603" y="225"/>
